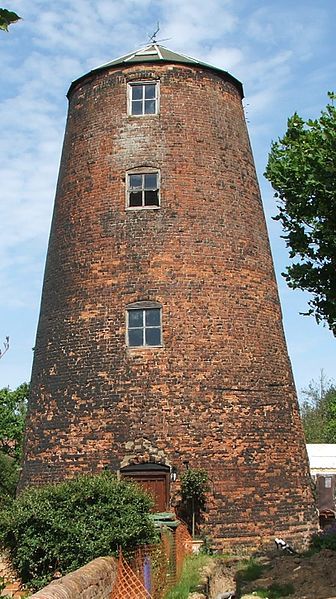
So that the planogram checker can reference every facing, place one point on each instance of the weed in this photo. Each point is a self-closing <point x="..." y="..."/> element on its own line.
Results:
<point x="275" y="591"/>
<point x="190" y="578"/>
<point x="250" y="570"/>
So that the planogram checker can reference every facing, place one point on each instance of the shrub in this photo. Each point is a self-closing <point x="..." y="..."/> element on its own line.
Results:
<point x="63" y="526"/>
<point x="326" y="539"/>
<point x="9" y="474"/>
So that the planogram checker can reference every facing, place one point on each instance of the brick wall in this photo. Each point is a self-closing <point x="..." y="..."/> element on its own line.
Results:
<point x="93" y="581"/>
<point x="219" y="392"/>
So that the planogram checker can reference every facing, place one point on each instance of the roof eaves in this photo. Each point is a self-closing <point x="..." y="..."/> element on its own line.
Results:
<point x="170" y="57"/>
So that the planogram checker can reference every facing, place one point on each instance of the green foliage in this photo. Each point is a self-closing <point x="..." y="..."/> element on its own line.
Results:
<point x="250" y="570"/>
<point x="7" y="17"/>
<point x="302" y="169"/>
<point x="9" y="475"/>
<point x="190" y="579"/>
<point x="194" y="485"/>
<point x="326" y="539"/>
<point x="13" y="408"/>
<point x="275" y="591"/>
<point x="62" y="527"/>
<point x="318" y="411"/>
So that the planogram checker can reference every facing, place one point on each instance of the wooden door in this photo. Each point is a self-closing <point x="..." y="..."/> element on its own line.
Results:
<point x="155" y="482"/>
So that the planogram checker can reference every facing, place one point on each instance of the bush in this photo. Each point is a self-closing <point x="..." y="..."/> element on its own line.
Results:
<point x="61" y="527"/>
<point x="326" y="539"/>
<point x="9" y="475"/>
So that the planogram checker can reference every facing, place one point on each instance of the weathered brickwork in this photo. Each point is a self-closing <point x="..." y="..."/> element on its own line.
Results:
<point x="219" y="392"/>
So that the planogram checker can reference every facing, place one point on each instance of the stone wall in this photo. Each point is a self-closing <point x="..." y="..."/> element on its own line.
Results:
<point x="93" y="581"/>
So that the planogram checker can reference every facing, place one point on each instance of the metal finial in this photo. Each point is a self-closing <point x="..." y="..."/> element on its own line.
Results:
<point x="6" y="347"/>
<point x="152" y="38"/>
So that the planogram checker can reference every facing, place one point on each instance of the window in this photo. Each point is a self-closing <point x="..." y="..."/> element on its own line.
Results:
<point x="143" y="190"/>
<point x="144" y="326"/>
<point x="143" y="98"/>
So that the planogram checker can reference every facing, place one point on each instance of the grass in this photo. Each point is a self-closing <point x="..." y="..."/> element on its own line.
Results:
<point x="275" y="591"/>
<point x="250" y="570"/>
<point x="190" y="579"/>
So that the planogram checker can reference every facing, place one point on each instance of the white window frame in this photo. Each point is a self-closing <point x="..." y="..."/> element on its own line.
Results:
<point x="143" y="171"/>
<point x="144" y="306"/>
<point x="157" y="98"/>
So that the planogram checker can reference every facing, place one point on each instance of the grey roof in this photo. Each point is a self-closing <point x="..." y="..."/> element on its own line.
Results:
<point x="155" y="53"/>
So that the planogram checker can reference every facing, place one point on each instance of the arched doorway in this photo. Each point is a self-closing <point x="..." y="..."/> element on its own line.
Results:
<point x="153" y="478"/>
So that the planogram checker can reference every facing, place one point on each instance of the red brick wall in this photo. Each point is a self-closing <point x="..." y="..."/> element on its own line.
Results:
<point x="219" y="393"/>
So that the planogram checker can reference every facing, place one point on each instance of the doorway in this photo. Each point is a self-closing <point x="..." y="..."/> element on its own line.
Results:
<point x="153" y="478"/>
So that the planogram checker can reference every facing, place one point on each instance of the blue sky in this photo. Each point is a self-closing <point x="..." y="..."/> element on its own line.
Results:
<point x="284" y="52"/>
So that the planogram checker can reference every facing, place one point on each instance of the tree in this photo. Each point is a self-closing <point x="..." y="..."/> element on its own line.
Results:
<point x="302" y="169"/>
<point x="7" y="17"/>
<point x="13" y="407"/>
<point x="194" y="486"/>
<point x="318" y="411"/>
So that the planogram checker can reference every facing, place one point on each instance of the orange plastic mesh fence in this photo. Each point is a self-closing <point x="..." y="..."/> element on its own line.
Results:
<point x="183" y="543"/>
<point x="128" y="585"/>
<point x="153" y="569"/>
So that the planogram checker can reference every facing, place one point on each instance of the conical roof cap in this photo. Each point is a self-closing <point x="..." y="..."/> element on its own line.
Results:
<point x="153" y="53"/>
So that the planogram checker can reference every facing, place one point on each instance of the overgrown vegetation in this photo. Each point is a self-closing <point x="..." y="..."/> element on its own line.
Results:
<point x="249" y="570"/>
<point x="191" y="577"/>
<point x="318" y="411"/>
<point x="326" y="539"/>
<point x="275" y="591"/>
<point x="62" y="527"/>
<point x="13" y="407"/>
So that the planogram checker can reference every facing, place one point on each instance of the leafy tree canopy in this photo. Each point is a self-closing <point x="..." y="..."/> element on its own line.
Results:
<point x="318" y="411"/>
<point x="302" y="169"/>
<point x="13" y="407"/>
<point x="7" y="17"/>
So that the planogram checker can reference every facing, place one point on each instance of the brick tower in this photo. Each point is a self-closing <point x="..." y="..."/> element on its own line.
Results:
<point x="160" y="340"/>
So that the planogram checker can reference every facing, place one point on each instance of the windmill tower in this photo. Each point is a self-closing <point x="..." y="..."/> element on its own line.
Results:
<point x="160" y="339"/>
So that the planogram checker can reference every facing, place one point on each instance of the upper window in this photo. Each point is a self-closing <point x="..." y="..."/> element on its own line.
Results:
<point x="143" y="98"/>
<point x="143" y="190"/>
<point x="144" y="327"/>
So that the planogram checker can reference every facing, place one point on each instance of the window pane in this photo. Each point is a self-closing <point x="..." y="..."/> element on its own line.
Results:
<point x="135" y="181"/>
<point x="153" y="336"/>
<point x="137" y="92"/>
<point x="151" y="181"/>
<point x="151" y="198"/>
<point x="135" y="337"/>
<point x="135" y="200"/>
<point x="149" y="91"/>
<point x="153" y="317"/>
<point x="135" y="318"/>
<point x="149" y="106"/>
<point x="137" y="107"/>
